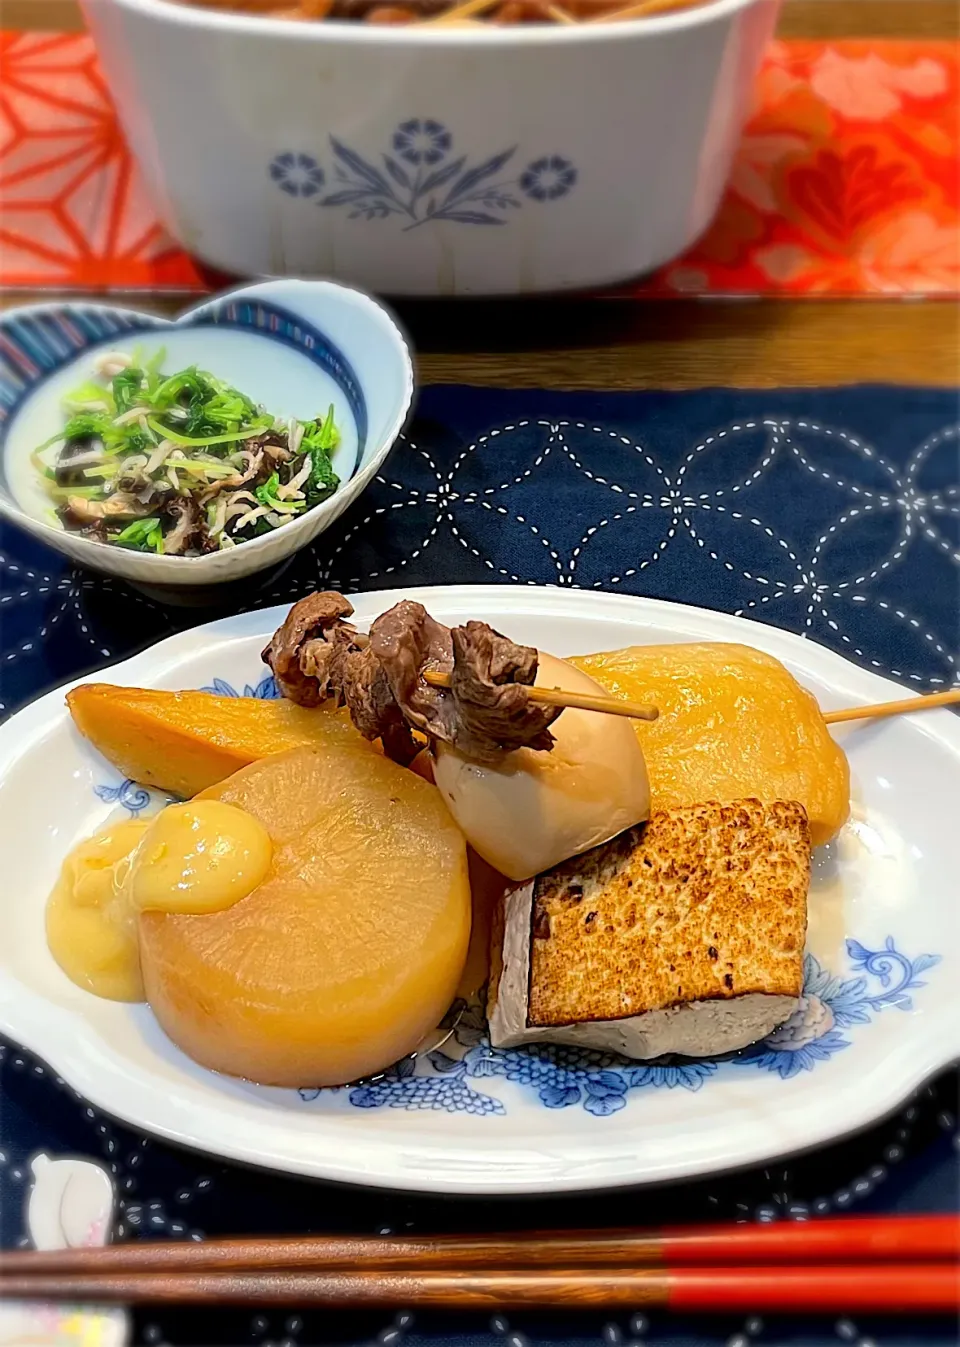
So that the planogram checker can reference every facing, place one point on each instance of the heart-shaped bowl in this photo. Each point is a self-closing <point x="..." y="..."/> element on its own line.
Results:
<point x="294" y="346"/>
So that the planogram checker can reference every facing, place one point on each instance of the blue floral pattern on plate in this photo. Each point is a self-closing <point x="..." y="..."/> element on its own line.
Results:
<point x="830" y="1004"/>
<point x="265" y="690"/>
<point x="562" y="1076"/>
<point x="132" y="797"/>
<point x="423" y="179"/>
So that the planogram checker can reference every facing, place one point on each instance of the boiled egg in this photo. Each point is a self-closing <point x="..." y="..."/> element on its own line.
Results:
<point x="535" y="809"/>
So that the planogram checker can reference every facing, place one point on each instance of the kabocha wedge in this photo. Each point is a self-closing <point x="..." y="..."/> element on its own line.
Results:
<point x="733" y="723"/>
<point x="183" y="742"/>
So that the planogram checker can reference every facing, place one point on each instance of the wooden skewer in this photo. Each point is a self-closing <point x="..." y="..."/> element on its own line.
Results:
<point x="901" y="708"/>
<point x="614" y="706"/>
<point x="559" y="14"/>
<point x="581" y="701"/>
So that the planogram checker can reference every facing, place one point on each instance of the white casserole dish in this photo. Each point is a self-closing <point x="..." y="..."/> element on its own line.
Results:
<point x="432" y="161"/>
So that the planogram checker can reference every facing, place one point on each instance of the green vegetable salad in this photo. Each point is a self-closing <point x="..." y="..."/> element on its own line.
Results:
<point x="180" y="464"/>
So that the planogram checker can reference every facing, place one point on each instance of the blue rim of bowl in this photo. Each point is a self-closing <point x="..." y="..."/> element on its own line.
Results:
<point x="35" y="344"/>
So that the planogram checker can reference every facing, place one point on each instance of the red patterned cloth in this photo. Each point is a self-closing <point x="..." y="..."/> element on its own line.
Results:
<point x="74" y="213"/>
<point x="846" y="181"/>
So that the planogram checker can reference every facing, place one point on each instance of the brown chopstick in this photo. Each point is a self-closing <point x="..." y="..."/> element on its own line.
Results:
<point x="886" y="1288"/>
<point x="850" y="1239"/>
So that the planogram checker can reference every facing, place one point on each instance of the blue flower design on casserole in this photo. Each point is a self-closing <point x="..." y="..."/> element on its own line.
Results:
<point x="548" y="178"/>
<point x="421" y="142"/>
<point x="297" y="174"/>
<point x="422" y="178"/>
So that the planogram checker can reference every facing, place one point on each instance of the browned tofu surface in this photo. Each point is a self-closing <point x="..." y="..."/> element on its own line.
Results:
<point x="702" y="903"/>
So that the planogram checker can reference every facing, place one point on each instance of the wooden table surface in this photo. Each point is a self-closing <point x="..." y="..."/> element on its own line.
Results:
<point x="625" y="344"/>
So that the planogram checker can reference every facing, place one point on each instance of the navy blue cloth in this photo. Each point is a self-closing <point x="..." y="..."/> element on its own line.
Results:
<point x="835" y="513"/>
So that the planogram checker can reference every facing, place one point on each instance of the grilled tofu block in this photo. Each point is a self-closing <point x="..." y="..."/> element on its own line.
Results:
<point x="682" y="935"/>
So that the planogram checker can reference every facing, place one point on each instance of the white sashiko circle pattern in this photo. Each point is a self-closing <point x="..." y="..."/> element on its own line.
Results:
<point x="830" y="589"/>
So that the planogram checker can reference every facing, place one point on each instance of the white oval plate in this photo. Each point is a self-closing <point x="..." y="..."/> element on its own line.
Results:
<point x="881" y="1011"/>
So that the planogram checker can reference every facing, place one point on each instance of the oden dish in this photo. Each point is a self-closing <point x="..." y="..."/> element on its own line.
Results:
<point x="305" y="920"/>
<point x="473" y="171"/>
<point x="475" y="1121"/>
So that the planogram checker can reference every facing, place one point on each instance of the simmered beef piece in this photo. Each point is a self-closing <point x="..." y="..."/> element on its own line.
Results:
<point x="484" y="713"/>
<point x="307" y="625"/>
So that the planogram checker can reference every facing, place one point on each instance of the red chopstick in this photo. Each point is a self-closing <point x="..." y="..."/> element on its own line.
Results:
<point x="849" y="1239"/>
<point x="932" y="1287"/>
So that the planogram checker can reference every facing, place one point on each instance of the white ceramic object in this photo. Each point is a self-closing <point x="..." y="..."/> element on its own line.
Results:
<point x="880" y="1012"/>
<point x="295" y="346"/>
<point x="425" y="161"/>
<point x="70" y="1205"/>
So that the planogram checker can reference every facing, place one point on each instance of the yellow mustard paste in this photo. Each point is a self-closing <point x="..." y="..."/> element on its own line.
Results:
<point x="198" y="857"/>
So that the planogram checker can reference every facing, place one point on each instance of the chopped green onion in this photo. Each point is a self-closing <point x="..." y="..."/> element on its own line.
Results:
<point x="39" y="466"/>
<point x="325" y="436"/>
<point x="90" y="392"/>
<point x="267" y="494"/>
<point x="166" y="391"/>
<point x="84" y="492"/>
<point x="199" y="468"/>
<point x="127" y="389"/>
<point x="152" y="366"/>
<point x="137" y="531"/>
<point x="54" y="439"/>
<point x="177" y="438"/>
<point x="142" y="533"/>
